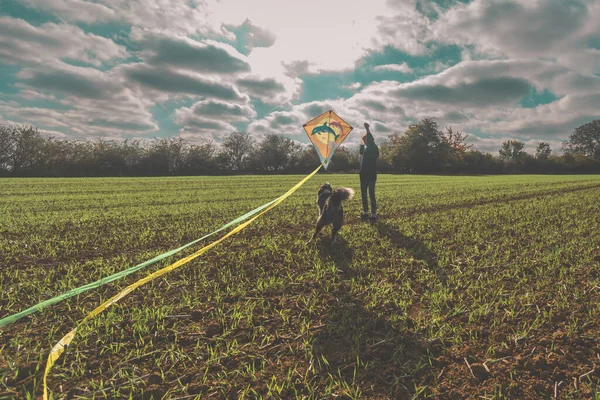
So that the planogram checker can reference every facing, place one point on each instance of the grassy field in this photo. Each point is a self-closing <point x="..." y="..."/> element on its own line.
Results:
<point x="466" y="287"/>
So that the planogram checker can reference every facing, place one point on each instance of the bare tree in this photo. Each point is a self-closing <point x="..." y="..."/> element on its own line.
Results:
<point x="456" y="140"/>
<point x="237" y="147"/>
<point x="7" y="133"/>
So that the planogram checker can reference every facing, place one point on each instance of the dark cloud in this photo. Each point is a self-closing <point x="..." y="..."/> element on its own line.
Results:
<point x="206" y="124"/>
<point x="23" y="43"/>
<point x="262" y="88"/>
<point x="170" y="81"/>
<point x="211" y="57"/>
<point x="22" y="30"/>
<point x="515" y="28"/>
<point x="122" y="124"/>
<point x="547" y="129"/>
<point x="69" y="82"/>
<point x="373" y="105"/>
<point x="316" y="109"/>
<point x="188" y="17"/>
<point x="281" y="120"/>
<point x="381" y="128"/>
<point x="490" y="91"/>
<point x="455" y="116"/>
<point x="227" y="111"/>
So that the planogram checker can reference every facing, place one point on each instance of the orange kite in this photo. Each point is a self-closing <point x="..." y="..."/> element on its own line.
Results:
<point x="326" y="132"/>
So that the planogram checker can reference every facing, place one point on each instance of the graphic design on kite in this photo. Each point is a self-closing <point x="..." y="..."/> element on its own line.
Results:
<point x="324" y="129"/>
<point x="337" y="125"/>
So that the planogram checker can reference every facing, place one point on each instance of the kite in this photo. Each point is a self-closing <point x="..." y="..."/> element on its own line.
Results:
<point x="326" y="132"/>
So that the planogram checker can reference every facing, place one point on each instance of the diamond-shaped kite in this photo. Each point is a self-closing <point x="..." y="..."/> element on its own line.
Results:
<point x="326" y="132"/>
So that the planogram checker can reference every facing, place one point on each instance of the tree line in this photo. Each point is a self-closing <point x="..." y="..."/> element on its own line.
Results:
<point x="423" y="148"/>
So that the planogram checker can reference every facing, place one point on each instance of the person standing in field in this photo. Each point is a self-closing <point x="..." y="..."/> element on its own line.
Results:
<point x="369" y="153"/>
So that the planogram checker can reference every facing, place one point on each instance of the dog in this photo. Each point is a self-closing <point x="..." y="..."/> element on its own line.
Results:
<point x="331" y="210"/>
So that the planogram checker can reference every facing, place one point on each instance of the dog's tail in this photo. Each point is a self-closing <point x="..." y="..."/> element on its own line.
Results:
<point x="342" y="194"/>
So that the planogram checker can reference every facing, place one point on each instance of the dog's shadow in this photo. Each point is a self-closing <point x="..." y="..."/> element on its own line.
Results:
<point x="360" y="340"/>
<point x="338" y="252"/>
<point x="415" y="246"/>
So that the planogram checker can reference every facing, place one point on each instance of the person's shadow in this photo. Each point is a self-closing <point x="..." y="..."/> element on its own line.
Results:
<point x="416" y="247"/>
<point x="359" y="346"/>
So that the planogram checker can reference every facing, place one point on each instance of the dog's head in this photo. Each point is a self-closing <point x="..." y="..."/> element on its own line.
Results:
<point x="326" y="187"/>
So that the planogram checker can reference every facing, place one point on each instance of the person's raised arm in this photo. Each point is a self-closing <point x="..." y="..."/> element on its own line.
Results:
<point x="369" y="134"/>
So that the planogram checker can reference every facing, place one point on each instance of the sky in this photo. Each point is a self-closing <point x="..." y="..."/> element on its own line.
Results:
<point x="139" y="69"/>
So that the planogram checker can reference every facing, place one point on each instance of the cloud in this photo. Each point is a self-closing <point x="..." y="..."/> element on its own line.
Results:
<point x="513" y="52"/>
<point x="67" y="79"/>
<point x="462" y="85"/>
<point x="86" y="118"/>
<point x="111" y="123"/>
<point x="211" y="118"/>
<point x="210" y="57"/>
<point x="186" y="17"/>
<point x="525" y="29"/>
<point x="174" y="64"/>
<point x="455" y="117"/>
<point x="381" y="128"/>
<point x="33" y="95"/>
<point x="485" y="83"/>
<point x="354" y="86"/>
<point x="403" y="28"/>
<point x="493" y="144"/>
<point x="372" y="104"/>
<point x="402" y="67"/>
<point x="199" y="129"/>
<point x="485" y="92"/>
<point x="266" y="89"/>
<point x="512" y="28"/>
<point x="34" y="115"/>
<point x="557" y="119"/>
<point x="250" y="36"/>
<point x="95" y="103"/>
<point x="180" y="82"/>
<point x="224" y="111"/>
<point x="23" y="43"/>
<point x="332" y="35"/>
<point x="208" y="116"/>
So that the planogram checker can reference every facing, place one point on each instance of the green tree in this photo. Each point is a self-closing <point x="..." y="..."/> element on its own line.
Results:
<point x="164" y="156"/>
<point x="26" y="153"/>
<point x="585" y="140"/>
<point x="275" y="154"/>
<point x="543" y="151"/>
<point x="421" y="149"/>
<point x="512" y="150"/>
<point x="344" y="160"/>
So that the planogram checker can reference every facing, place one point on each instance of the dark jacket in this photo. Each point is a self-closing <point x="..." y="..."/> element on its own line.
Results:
<point x="368" y="164"/>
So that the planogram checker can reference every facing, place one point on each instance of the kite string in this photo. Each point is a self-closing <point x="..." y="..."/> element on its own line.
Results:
<point x="59" y="347"/>
<point x="121" y="274"/>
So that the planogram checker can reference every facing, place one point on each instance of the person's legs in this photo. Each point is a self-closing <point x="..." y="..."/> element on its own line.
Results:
<point x="365" y="201"/>
<point x="372" y="198"/>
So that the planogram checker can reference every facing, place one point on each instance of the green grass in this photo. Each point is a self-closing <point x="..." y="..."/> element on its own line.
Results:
<point x="500" y="272"/>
